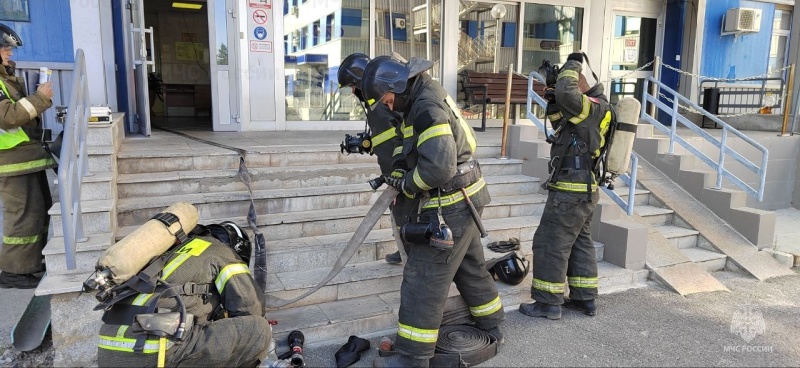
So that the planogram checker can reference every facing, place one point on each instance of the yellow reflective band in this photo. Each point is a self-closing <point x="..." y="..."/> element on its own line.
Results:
<point x="30" y="165"/>
<point x="604" y="125"/>
<point x="434" y="131"/>
<point x="456" y="197"/>
<point x="408" y="131"/>
<point x="5" y="90"/>
<point x="583" y="282"/>
<point x="383" y="137"/>
<point x="555" y="117"/>
<point x="228" y="272"/>
<point x="189" y="250"/>
<point x="587" y="106"/>
<point x="470" y="135"/>
<point x="23" y="240"/>
<point x="487" y="309"/>
<point x="195" y="248"/>
<point x="568" y="74"/>
<point x="397" y="150"/>
<point x="28" y="107"/>
<point x="571" y="187"/>
<point x="418" y="181"/>
<point x="126" y="345"/>
<point x="550" y="287"/>
<point x="12" y="137"/>
<point x="370" y="102"/>
<point x="121" y="330"/>
<point x="417" y="334"/>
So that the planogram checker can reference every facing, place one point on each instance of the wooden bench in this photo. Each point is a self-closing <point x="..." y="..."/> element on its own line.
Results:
<point x="490" y="88"/>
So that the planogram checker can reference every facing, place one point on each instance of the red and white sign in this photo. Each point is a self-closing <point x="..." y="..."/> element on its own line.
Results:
<point x="260" y="16"/>
<point x="266" y="4"/>
<point x="261" y="46"/>
<point x="630" y="42"/>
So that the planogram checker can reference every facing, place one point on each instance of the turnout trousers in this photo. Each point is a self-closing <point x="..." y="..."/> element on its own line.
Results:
<point x="563" y="249"/>
<point x="230" y="342"/>
<point x="426" y="281"/>
<point x="26" y="200"/>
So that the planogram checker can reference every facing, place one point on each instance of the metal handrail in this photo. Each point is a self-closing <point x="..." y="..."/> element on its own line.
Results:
<point x="629" y="179"/>
<point x="721" y="143"/>
<point x="73" y="160"/>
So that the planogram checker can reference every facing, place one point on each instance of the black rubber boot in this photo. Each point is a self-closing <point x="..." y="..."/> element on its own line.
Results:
<point x="537" y="309"/>
<point x="400" y="360"/>
<point x="588" y="307"/>
<point x="18" y="281"/>
<point x="495" y="331"/>
<point x="394" y="258"/>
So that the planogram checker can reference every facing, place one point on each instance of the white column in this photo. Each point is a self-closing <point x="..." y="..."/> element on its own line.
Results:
<point x="449" y="38"/>
<point x="88" y="27"/>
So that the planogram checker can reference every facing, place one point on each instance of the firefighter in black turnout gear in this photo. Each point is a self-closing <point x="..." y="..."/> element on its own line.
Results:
<point x="214" y="283"/>
<point x="437" y="170"/>
<point x="386" y="143"/>
<point x="562" y="244"/>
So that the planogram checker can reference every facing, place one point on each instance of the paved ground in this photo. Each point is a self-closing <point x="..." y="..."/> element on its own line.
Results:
<point x="787" y="231"/>
<point x="652" y="327"/>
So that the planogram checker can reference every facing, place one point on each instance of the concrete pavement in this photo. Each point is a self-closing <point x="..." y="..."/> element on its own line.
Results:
<point x="651" y="327"/>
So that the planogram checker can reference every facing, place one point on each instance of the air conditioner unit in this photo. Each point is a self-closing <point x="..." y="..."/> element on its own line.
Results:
<point x="742" y="20"/>
<point x="294" y="11"/>
<point x="400" y="23"/>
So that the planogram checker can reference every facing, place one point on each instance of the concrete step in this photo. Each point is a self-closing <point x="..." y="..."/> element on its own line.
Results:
<point x="101" y="159"/>
<point x="86" y="253"/>
<point x="97" y="186"/>
<point x="680" y="237"/>
<point x="135" y="211"/>
<point x="212" y="158"/>
<point x="97" y="218"/>
<point x="315" y="254"/>
<point x="655" y="216"/>
<point x="265" y="178"/>
<point x="641" y="196"/>
<point x="706" y="259"/>
<point x="333" y="321"/>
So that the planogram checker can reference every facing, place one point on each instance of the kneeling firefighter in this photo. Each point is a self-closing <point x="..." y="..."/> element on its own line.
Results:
<point x="381" y="138"/>
<point x="443" y="184"/>
<point x="194" y="304"/>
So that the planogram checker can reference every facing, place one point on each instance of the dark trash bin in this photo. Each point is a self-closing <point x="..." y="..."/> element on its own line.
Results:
<point x="710" y="103"/>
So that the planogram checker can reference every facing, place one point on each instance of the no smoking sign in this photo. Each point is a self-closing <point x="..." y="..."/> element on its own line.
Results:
<point x="260" y="16"/>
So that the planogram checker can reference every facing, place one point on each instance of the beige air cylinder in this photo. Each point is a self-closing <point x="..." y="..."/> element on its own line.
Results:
<point x="619" y="152"/>
<point x="131" y="254"/>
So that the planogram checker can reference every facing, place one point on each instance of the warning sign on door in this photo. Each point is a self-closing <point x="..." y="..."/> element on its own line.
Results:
<point x="266" y="4"/>
<point x="260" y="46"/>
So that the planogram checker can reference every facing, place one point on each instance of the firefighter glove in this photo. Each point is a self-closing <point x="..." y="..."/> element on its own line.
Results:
<point x="397" y="180"/>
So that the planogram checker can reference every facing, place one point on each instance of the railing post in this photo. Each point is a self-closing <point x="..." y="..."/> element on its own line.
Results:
<point x="674" y="127"/>
<point x="787" y="103"/>
<point x="632" y="185"/>
<point x="656" y="75"/>
<point x="721" y="164"/>
<point x="645" y="93"/>
<point x="509" y="80"/>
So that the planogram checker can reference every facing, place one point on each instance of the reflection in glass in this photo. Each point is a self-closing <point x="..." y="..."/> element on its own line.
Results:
<point x="633" y="45"/>
<point x="402" y="27"/>
<point x="317" y="37"/>
<point x="550" y="33"/>
<point x="221" y="27"/>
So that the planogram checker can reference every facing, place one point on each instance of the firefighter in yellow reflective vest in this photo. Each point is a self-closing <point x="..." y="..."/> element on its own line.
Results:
<point x="386" y="143"/>
<point x="24" y="190"/>
<point x="213" y="281"/>
<point x="438" y="146"/>
<point x="562" y="245"/>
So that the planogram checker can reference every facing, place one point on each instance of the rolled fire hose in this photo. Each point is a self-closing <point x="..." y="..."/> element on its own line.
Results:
<point x="373" y="215"/>
<point x="459" y="346"/>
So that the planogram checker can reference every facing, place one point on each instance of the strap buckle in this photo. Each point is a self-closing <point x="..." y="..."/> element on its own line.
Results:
<point x="168" y="219"/>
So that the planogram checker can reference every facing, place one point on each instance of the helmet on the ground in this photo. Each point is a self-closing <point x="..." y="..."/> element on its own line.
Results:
<point x="233" y="236"/>
<point x="351" y="70"/>
<point x="383" y="74"/>
<point x="510" y="268"/>
<point x="9" y="38"/>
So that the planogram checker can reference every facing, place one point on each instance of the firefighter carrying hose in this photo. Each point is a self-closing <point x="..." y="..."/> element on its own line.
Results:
<point x="24" y="190"/>
<point x="562" y="244"/>
<point x="442" y="236"/>
<point x="385" y="142"/>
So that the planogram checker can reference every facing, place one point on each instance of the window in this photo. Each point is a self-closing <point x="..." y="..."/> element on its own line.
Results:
<point x="779" y="47"/>
<point x="15" y="10"/>
<point x="550" y="32"/>
<point x="319" y="36"/>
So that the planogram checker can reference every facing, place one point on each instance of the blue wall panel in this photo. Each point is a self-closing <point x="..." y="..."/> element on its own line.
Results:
<point x="48" y="36"/>
<point x="735" y="57"/>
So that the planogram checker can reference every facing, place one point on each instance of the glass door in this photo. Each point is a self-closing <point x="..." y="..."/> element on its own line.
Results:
<point x="223" y="35"/>
<point x="635" y="42"/>
<point x="137" y="36"/>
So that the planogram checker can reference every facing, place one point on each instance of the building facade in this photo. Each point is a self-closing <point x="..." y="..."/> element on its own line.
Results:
<point x="246" y="65"/>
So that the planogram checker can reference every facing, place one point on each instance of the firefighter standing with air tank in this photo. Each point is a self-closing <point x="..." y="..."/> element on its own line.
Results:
<point x="562" y="245"/>
<point x="442" y="238"/>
